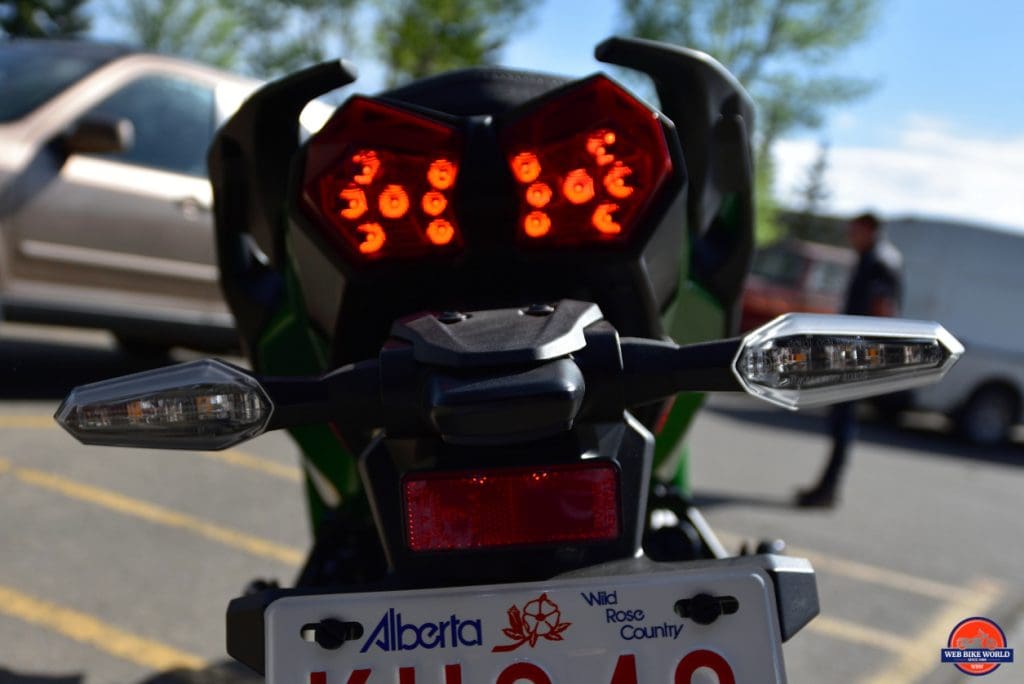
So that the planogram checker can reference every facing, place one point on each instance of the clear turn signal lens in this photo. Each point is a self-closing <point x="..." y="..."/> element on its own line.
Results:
<point x="800" y="360"/>
<point x="199" y="405"/>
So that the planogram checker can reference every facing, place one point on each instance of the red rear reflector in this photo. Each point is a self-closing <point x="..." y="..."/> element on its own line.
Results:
<point x="592" y="147"/>
<point x="379" y="182"/>
<point x="482" y="509"/>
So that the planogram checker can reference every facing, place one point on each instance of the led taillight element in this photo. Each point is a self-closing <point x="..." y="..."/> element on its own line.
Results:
<point x="379" y="182"/>
<point x="481" y="509"/>
<point x="587" y="164"/>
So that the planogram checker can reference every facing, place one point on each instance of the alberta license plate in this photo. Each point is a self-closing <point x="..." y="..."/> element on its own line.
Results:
<point x="622" y="629"/>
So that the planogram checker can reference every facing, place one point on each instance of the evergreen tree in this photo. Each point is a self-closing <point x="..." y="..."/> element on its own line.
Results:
<point x="44" y="18"/>
<point x="813" y="193"/>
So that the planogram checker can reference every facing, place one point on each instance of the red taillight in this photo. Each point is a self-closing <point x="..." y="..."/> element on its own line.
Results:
<point x="379" y="182"/>
<point x="480" y="509"/>
<point x="587" y="164"/>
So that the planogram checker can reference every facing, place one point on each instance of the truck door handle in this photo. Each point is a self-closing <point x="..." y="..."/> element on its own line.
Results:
<point x="192" y="207"/>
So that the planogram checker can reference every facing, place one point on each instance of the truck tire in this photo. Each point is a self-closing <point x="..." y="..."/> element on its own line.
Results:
<point x="989" y="415"/>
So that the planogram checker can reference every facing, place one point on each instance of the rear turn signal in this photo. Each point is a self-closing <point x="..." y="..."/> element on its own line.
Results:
<point x="593" y="158"/>
<point x="205" y="404"/>
<point x="481" y="509"/>
<point x="800" y="360"/>
<point x="379" y="182"/>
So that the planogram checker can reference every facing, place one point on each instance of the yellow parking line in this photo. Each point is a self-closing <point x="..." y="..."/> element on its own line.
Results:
<point x="88" y="630"/>
<point x="871" y="574"/>
<point x="135" y="508"/>
<point x="27" y="422"/>
<point x="851" y="631"/>
<point x="232" y="457"/>
<point x="921" y="655"/>
<point x="242" y="459"/>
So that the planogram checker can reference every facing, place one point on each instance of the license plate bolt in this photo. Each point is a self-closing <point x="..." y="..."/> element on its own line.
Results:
<point x="331" y="633"/>
<point x="705" y="608"/>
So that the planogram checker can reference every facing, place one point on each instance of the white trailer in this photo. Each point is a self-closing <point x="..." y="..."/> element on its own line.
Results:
<point x="971" y="280"/>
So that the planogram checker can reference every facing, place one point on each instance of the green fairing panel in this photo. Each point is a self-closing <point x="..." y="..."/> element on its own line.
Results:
<point x="695" y="316"/>
<point x="290" y="346"/>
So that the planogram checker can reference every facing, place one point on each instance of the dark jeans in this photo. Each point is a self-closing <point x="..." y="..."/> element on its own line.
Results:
<point x="843" y="426"/>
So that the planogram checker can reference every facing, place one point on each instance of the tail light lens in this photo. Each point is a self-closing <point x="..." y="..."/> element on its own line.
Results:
<point x="587" y="164"/>
<point x="512" y="507"/>
<point x="379" y="182"/>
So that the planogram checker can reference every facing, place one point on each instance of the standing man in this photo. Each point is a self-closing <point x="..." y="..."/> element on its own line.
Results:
<point x="874" y="290"/>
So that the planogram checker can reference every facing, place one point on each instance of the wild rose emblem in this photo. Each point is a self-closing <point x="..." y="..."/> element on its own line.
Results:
<point x="539" y="618"/>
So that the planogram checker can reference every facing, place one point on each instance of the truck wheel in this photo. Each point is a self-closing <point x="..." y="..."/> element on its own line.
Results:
<point x="989" y="415"/>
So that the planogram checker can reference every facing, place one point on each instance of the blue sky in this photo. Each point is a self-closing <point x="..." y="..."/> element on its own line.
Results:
<point x="958" y="61"/>
<point x="942" y="135"/>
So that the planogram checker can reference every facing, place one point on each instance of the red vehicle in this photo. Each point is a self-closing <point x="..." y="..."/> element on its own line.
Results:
<point x="795" y="275"/>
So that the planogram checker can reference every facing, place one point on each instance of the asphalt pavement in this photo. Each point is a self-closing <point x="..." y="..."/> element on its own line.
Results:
<point x="117" y="564"/>
<point x="927" y="534"/>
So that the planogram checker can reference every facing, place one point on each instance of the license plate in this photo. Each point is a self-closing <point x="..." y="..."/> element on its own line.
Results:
<point x="619" y="629"/>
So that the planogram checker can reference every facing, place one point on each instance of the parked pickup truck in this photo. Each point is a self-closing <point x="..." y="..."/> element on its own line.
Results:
<point x="105" y="208"/>
<point x="971" y="279"/>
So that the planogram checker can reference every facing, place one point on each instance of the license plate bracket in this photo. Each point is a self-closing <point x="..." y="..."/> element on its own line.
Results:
<point x="615" y="623"/>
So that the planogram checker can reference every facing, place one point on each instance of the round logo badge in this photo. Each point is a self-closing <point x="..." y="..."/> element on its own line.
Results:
<point x="977" y="646"/>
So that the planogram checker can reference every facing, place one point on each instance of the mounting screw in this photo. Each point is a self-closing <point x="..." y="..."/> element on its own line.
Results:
<point x="330" y="634"/>
<point x="771" y="546"/>
<point x="539" y="310"/>
<point x="451" y="316"/>
<point x="705" y="608"/>
<point x="258" y="585"/>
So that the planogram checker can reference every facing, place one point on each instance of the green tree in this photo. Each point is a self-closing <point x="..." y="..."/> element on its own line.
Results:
<point x="814" y="190"/>
<point x="265" y="38"/>
<point x="203" y="31"/>
<point x="416" y="38"/>
<point x="280" y="36"/>
<point x="812" y="193"/>
<point x="44" y="18"/>
<point x="769" y="227"/>
<point x="779" y="49"/>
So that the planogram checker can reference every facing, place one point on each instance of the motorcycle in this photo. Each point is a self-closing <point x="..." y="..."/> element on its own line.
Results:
<point x="487" y="306"/>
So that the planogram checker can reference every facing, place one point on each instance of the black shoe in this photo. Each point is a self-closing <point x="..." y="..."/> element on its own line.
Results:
<point x="817" y="497"/>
